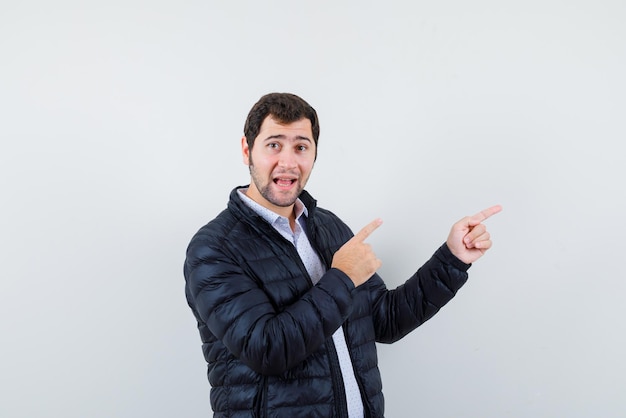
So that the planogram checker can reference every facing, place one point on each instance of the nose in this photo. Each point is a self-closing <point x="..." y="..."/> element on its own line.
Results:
<point x="287" y="159"/>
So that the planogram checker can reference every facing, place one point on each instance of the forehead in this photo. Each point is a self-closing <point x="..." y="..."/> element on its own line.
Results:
<point x="299" y="128"/>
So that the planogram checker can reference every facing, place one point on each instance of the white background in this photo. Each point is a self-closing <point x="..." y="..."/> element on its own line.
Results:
<point x="120" y="124"/>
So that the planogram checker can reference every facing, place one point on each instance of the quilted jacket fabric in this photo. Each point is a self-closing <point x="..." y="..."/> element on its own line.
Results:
<point x="266" y="330"/>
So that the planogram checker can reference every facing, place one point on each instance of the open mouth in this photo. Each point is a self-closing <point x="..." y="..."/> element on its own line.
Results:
<point x="284" y="182"/>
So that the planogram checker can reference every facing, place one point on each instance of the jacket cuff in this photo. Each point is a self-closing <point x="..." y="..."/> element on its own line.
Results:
<point x="347" y="281"/>
<point x="445" y="255"/>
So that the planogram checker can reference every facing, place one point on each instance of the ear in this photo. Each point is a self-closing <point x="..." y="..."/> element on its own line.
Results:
<point x="245" y="151"/>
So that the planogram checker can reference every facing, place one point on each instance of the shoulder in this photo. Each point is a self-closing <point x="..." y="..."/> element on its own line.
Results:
<point x="327" y="217"/>
<point x="218" y="228"/>
<point x="211" y="236"/>
<point x="225" y="227"/>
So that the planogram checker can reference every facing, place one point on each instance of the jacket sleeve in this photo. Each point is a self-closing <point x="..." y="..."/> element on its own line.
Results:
<point x="239" y="313"/>
<point x="399" y="311"/>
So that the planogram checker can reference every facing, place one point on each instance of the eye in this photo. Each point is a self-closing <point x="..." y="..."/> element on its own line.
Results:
<point x="302" y="147"/>
<point x="273" y="145"/>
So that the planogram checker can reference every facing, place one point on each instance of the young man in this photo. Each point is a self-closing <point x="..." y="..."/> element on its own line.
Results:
<point x="287" y="300"/>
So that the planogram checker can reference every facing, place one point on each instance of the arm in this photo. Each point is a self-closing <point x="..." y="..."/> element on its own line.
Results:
<point x="240" y="314"/>
<point x="399" y="311"/>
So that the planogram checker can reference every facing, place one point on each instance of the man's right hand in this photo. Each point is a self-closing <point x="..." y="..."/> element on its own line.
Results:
<point x="356" y="258"/>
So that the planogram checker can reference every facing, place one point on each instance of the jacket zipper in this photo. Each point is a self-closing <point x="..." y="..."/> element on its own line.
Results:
<point x="339" y="390"/>
<point x="366" y="408"/>
<point x="261" y="402"/>
<point x="341" y="404"/>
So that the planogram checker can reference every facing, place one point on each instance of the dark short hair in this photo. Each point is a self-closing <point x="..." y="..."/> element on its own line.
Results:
<point x="285" y="108"/>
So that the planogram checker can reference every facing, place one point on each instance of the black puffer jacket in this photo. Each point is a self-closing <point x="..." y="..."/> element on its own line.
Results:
<point x="266" y="330"/>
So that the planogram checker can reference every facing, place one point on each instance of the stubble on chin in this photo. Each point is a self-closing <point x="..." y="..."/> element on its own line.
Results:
<point x="272" y="196"/>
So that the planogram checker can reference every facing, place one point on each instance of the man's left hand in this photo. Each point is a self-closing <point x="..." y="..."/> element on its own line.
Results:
<point x="469" y="239"/>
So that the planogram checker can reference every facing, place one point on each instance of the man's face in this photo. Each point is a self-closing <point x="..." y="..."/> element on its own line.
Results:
<point x="280" y="163"/>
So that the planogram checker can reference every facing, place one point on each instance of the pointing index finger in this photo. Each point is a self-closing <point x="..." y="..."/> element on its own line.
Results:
<point x="484" y="214"/>
<point x="368" y="229"/>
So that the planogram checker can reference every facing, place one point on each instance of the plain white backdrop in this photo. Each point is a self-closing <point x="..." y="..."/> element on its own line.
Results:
<point x="120" y="124"/>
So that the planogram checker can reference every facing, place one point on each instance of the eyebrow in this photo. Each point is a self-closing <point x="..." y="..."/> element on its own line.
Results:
<point x="297" y="138"/>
